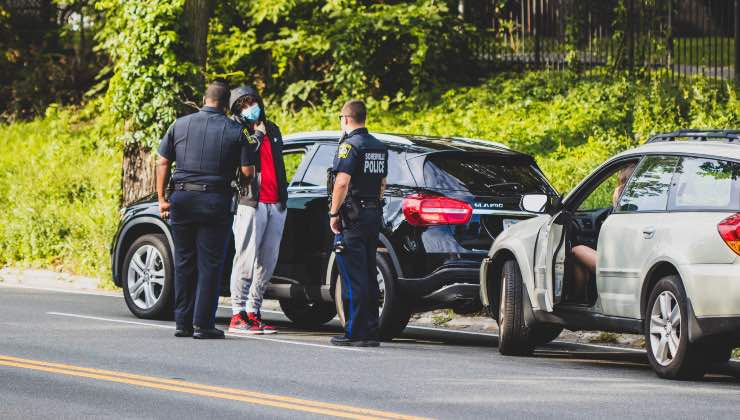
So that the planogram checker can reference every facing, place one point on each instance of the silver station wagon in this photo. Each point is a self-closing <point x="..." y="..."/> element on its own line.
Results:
<point x="648" y="244"/>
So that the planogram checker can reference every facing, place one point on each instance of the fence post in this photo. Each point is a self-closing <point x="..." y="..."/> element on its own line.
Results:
<point x="669" y="39"/>
<point x="737" y="42"/>
<point x="630" y="34"/>
<point x="537" y="35"/>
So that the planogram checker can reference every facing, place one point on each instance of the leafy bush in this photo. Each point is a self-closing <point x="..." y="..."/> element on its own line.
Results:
<point x="59" y="189"/>
<point x="60" y="178"/>
<point x="317" y="49"/>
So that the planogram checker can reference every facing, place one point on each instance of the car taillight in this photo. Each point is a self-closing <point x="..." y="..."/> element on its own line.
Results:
<point x="729" y="230"/>
<point x="424" y="210"/>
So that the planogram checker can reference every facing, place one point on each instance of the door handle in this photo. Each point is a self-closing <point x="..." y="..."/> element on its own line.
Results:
<point x="648" y="232"/>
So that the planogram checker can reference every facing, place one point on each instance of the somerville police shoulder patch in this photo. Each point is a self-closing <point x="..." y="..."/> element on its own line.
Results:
<point x="343" y="151"/>
<point x="250" y="138"/>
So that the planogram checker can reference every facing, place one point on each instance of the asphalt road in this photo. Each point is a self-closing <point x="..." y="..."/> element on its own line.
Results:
<point x="79" y="356"/>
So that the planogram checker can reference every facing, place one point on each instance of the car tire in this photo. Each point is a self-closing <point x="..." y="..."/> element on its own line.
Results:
<point x="544" y="333"/>
<point x="148" y="278"/>
<point x="669" y="351"/>
<point x="395" y="313"/>
<point x="307" y="314"/>
<point x="514" y="338"/>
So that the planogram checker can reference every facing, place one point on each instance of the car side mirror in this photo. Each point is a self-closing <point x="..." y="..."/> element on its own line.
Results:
<point x="534" y="203"/>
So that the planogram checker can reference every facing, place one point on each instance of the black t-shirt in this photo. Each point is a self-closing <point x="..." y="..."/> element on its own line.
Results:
<point x="365" y="159"/>
<point x="207" y="148"/>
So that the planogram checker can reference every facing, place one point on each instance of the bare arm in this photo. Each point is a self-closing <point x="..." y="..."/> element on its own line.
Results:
<point x="341" y="186"/>
<point x="382" y="188"/>
<point x="163" y="175"/>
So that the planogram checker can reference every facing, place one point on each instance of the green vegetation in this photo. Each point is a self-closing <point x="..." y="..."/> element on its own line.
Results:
<point x="60" y="178"/>
<point x="605" y="337"/>
<point x="59" y="189"/>
<point x="442" y="317"/>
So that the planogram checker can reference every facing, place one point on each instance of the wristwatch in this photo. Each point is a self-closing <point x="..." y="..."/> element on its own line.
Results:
<point x="333" y="214"/>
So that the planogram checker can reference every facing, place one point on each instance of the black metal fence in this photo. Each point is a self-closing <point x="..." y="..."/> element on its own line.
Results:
<point x="684" y="37"/>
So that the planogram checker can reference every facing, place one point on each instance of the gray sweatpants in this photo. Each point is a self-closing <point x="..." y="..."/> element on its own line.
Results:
<point x="257" y="235"/>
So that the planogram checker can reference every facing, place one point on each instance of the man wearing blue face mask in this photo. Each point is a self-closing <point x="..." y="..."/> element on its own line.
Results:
<point x="258" y="223"/>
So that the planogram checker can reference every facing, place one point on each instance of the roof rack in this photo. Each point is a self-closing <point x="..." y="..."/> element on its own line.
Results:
<point x="732" y="136"/>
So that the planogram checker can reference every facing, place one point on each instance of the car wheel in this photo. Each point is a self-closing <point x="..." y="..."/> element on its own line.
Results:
<point x="514" y="339"/>
<point x="544" y="333"/>
<point x="148" y="277"/>
<point x="307" y="314"/>
<point x="393" y="313"/>
<point x="669" y="351"/>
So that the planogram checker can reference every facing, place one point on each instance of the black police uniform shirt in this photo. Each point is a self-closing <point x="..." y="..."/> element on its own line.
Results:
<point x="365" y="159"/>
<point x="207" y="148"/>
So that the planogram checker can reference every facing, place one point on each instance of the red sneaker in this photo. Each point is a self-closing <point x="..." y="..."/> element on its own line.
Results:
<point x="256" y="319"/>
<point x="241" y="324"/>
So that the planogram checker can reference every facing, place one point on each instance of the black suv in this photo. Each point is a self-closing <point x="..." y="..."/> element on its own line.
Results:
<point x="447" y="199"/>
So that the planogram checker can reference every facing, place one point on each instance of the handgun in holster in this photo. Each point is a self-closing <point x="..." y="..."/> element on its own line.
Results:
<point x="236" y="185"/>
<point x="169" y="189"/>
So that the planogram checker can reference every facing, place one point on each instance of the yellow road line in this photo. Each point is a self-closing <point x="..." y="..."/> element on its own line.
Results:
<point x="290" y="403"/>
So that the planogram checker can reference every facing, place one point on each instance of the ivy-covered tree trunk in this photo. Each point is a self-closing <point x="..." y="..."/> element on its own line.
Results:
<point x="159" y="50"/>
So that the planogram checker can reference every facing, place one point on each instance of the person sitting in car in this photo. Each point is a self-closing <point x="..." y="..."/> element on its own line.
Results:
<point x="585" y="256"/>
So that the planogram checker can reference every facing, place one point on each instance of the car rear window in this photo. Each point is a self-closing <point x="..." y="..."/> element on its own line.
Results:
<point x="484" y="175"/>
<point x="706" y="184"/>
<point x="398" y="170"/>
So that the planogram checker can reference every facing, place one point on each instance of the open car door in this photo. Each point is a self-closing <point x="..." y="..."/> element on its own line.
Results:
<point x="550" y="263"/>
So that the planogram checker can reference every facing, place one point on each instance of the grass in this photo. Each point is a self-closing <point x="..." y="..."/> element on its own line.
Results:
<point x="59" y="183"/>
<point x="442" y="317"/>
<point x="605" y="337"/>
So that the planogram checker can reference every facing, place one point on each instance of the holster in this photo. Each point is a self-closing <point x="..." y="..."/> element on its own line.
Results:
<point x="350" y="211"/>
<point x="169" y="189"/>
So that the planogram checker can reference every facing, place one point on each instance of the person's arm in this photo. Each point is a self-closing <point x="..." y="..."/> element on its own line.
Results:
<point x="164" y="164"/>
<point x="248" y="172"/>
<point x="344" y="164"/>
<point x="163" y="175"/>
<point x="248" y="158"/>
<point x="341" y="186"/>
<point x="382" y="187"/>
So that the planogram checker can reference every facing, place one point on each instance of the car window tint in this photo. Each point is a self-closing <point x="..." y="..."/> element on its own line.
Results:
<point x="648" y="188"/>
<point x="292" y="160"/>
<point x="316" y="174"/>
<point x="706" y="184"/>
<point x="483" y="175"/>
<point x="398" y="170"/>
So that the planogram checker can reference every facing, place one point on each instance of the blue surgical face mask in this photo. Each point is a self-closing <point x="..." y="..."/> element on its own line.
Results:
<point x="252" y="113"/>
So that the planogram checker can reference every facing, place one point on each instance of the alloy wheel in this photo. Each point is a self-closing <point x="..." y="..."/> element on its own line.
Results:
<point x="146" y="277"/>
<point x="665" y="328"/>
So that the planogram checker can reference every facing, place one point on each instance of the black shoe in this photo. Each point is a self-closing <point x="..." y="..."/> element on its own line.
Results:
<point x="183" y="332"/>
<point x="352" y="342"/>
<point x="208" y="334"/>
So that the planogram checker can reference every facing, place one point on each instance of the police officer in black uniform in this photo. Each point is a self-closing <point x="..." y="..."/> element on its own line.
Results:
<point x="359" y="170"/>
<point x="207" y="148"/>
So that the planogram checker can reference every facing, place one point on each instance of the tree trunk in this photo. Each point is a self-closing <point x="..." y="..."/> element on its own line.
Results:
<point x="138" y="177"/>
<point x="197" y="14"/>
